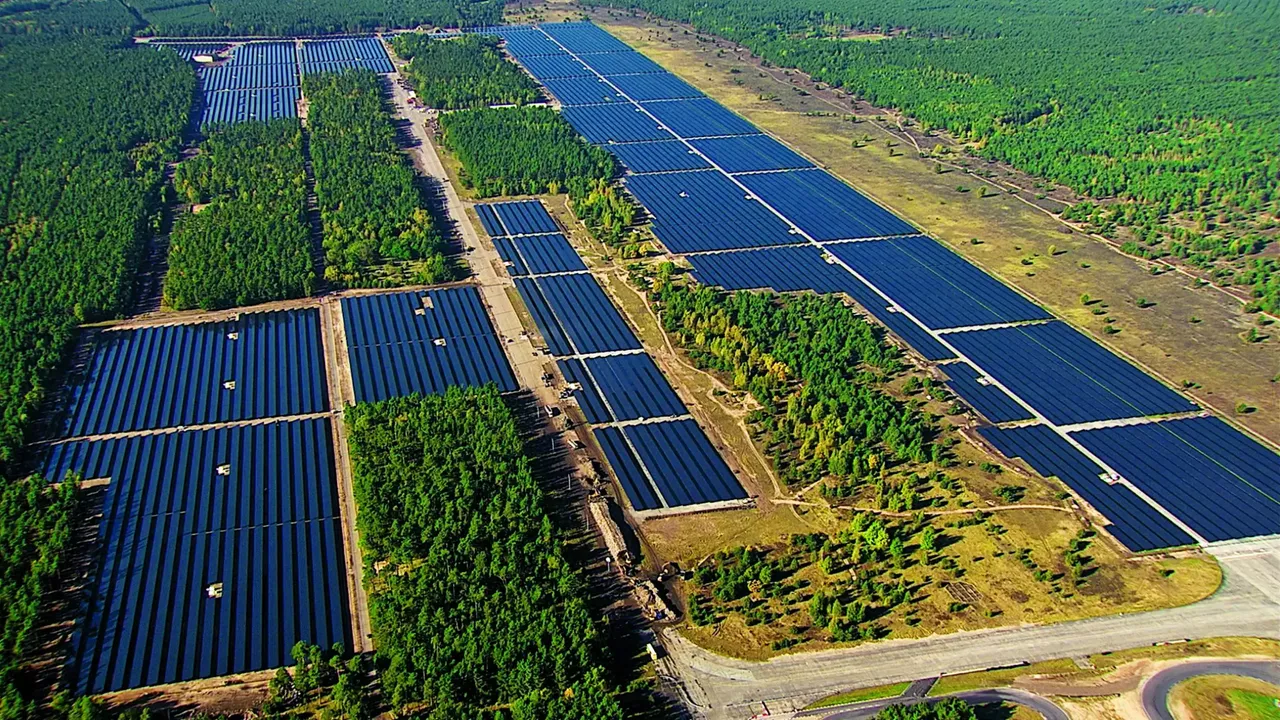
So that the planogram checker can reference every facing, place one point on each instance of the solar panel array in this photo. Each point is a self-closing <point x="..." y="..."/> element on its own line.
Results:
<point x="366" y="53"/>
<point x="259" y="81"/>
<point x="662" y="458"/>
<point x="219" y="546"/>
<point x="422" y="342"/>
<point x="732" y="199"/>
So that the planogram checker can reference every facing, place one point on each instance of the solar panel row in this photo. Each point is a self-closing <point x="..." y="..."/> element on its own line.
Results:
<point x="232" y="106"/>
<point x="335" y="55"/>
<point x="622" y="63"/>
<point x="548" y="67"/>
<point x="626" y="466"/>
<point x="580" y="313"/>
<point x="683" y="463"/>
<point x="260" y="365"/>
<point x="586" y="394"/>
<point x="633" y="388"/>
<point x="993" y="403"/>
<point x="583" y="37"/>
<point x="616" y="123"/>
<point x="700" y="117"/>
<point x="248" y="77"/>
<point x="661" y="156"/>
<point x="264" y="53"/>
<point x="423" y="342"/>
<point x="539" y="254"/>
<point x="750" y="153"/>
<point x="523" y="217"/>
<point x="823" y="206"/>
<point x="654" y="86"/>
<point x="705" y="210"/>
<point x="188" y="51"/>
<point x="582" y="91"/>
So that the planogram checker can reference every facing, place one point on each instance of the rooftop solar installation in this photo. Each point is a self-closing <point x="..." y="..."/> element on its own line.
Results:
<point x="232" y="106"/>
<point x="750" y="153"/>
<point x="547" y="67"/>
<point x="586" y="394"/>
<point x="699" y="117"/>
<point x="581" y="37"/>
<point x="618" y="123"/>
<point x="695" y="211"/>
<point x="654" y="86"/>
<point x="662" y="156"/>
<point x="633" y="388"/>
<point x="683" y="463"/>
<point x="823" y="206"/>
<point x="626" y="466"/>
<point x="422" y="342"/>
<point x="260" y="365"/>
<point x="582" y="91"/>
<point x="585" y="313"/>
<point x="1065" y="375"/>
<point x="622" y="63"/>
<point x="937" y="286"/>
<point x="345" y="53"/>
<point x="1220" y="483"/>
<point x="990" y="401"/>
<point x="530" y="43"/>
<point x="542" y="254"/>
<point x="218" y="550"/>
<point x="523" y="217"/>
<point x="1134" y="522"/>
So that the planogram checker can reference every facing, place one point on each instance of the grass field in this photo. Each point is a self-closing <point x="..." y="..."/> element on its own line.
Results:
<point x="1184" y="334"/>
<point x="853" y="696"/>
<point x="1226" y="697"/>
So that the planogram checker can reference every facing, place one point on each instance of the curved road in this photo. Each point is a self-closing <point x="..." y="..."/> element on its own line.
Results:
<point x="1155" y="689"/>
<point x="973" y="697"/>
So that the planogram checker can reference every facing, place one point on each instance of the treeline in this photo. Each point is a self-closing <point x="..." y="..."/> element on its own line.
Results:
<point x="944" y="709"/>
<point x="609" y="215"/>
<point x="463" y="72"/>
<point x="37" y="524"/>
<point x="372" y="210"/>
<point x="250" y="243"/>
<point x="522" y="151"/>
<point x="814" y="367"/>
<point x="85" y="131"/>
<point x="472" y="601"/>
<point x="1173" y="107"/>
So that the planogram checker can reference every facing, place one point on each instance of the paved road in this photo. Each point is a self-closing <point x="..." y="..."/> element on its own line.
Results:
<point x="1248" y="604"/>
<point x="1155" y="689"/>
<point x="976" y="697"/>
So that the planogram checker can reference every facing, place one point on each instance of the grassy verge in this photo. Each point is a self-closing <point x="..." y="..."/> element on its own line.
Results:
<point x="853" y="696"/>
<point x="1227" y="697"/>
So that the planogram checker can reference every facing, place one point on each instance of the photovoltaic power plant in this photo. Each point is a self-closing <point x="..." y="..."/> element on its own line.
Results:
<point x="220" y="549"/>
<point x="258" y="81"/>
<point x="662" y="459"/>
<point x="368" y="53"/>
<point x="758" y="196"/>
<point x="422" y="342"/>
<point x="259" y="365"/>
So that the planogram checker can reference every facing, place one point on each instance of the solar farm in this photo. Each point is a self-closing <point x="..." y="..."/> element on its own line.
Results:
<point x="662" y="458"/>
<point x="746" y="212"/>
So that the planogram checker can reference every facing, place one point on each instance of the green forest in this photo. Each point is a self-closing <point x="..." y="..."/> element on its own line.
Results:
<point x="1169" y="110"/>
<point x="522" y="151"/>
<point x="371" y="207"/>
<point x="815" y="368"/>
<point x="472" y="602"/>
<point x="464" y="72"/>
<point x="251" y="242"/>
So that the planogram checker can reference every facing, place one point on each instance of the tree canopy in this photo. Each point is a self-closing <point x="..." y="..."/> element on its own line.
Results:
<point x="463" y="72"/>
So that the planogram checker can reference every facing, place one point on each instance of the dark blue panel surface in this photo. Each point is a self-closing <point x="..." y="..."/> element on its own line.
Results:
<point x="582" y="37"/>
<point x="423" y="342"/>
<point x="530" y="43"/>
<point x="823" y="206"/>
<point x="583" y="91"/>
<point x="524" y="217"/>
<point x="935" y="285"/>
<point x="264" y="53"/>
<point x="992" y="402"/>
<point x="586" y="314"/>
<point x="544" y="67"/>
<point x="588" y="396"/>
<point x="1215" y="483"/>
<point x="625" y="465"/>
<point x="345" y="53"/>
<point x="506" y="248"/>
<point x="548" y="254"/>
<point x="622" y="63"/>
<point x="654" y="86"/>
<point x="544" y="317"/>
<point x="750" y="153"/>
<point x="695" y="211"/>
<point x="634" y="388"/>
<point x="1135" y="523"/>
<point x="658" y="157"/>
<point x="232" y="106"/>
<point x="489" y="219"/>
<point x="188" y="51"/>
<point x="247" y="77"/>
<point x="602" y="124"/>
<point x="1065" y="375"/>
<point x="683" y="463"/>
<point x="700" y="117"/>
<point x="176" y="375"/>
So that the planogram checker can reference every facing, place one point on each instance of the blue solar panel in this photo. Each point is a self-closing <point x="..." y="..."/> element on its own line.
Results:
<point x="587" y="395"/>
<point x="544" y="317"/>
<point x="1065" y="375"/>
<point x="654" y="86"/>
<point x="935" y="285"/>
<point x="634" y="388"/>
<point x="622" y="63"/>
<point x="423" y="342"/>
<point x="582" y="91"/>
<point x="232" y="106"/>
<point x="663" y="156"/>
<point x="750" y="153"/>
<point x="627" y="467"/>
<point x="823" y="206"/>
<point x="247" y="77"/>
<point x="507" y="251"/>
<point x="489" y="219"/>
<point x="547" y="254"/>
<point x="579" y="37"/>
<point x="989" y="400"/>
<point x="545" y="67"/>
<point x="159" y="377"/>
<point x="1134" y="522"/>
<point x="683" y="463"/>
<point x="701" y="117"/>
<point x="345" y="53"/>
<point x="188" y="51"/>
<point x="706" y="211"/>
<point x="264" y="53"/>
<point x="602" y="124"/>
<point x="523" y="217"/>
<point x="530" y="43"/>
<point x="588" y="318"/>
<point x="1217" y="481"/>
